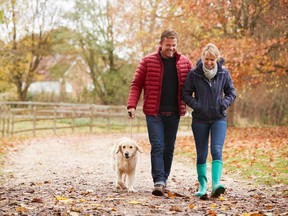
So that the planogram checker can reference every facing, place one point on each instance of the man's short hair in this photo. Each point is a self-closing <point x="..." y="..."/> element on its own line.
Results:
<point x="169" y="33"/>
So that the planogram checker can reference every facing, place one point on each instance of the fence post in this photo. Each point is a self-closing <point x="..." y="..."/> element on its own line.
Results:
<point x="5" y="120"/>
<point x="54" y="119"/>
<point x="3" y="126"/>
<point x="8" y="121"/>
<point x="109" y="114"/>
<point x="73" y="117"/>
<point x="91" y="117"/>
<point x="34" y="120"/>
<point x="1" y="120"/>
<point x="12" y="125"/>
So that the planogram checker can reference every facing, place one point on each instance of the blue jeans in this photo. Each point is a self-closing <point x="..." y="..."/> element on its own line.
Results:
<point x="201" y="133"/>
<point x="162" y="131"/>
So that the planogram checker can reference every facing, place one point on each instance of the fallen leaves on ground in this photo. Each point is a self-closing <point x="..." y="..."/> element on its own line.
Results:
<point x="257" y="154"/>
<point x="92" y="193"/>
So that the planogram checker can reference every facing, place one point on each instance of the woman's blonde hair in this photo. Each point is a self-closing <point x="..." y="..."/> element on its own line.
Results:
<point x="212" y="49"/>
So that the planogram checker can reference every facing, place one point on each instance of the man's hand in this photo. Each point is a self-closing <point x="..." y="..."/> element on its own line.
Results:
<point x="131" y="112"/>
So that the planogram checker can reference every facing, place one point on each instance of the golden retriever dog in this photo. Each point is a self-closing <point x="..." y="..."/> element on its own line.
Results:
<point x="125" y="158"/>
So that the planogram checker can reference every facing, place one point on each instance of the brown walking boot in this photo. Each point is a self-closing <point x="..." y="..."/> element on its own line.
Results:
<point x="158" y="190"/>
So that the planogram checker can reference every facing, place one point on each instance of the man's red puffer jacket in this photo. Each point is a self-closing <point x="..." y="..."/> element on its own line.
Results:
<point x="149" y="76"/>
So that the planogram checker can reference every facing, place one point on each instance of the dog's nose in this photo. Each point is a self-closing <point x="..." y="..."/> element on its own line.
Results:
<point x="126" y="154"/>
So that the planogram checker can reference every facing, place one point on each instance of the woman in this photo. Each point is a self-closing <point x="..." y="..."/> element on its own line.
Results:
<point x="209" y="91"/>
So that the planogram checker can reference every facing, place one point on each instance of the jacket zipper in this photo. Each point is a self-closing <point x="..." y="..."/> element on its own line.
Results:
<point x="212" y="84"/>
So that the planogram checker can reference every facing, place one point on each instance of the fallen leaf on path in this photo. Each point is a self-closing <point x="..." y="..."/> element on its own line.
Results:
<point x="252" y="214"/>
<point x="134" y="202"/>
<point x="21" y="210"/>
<point x="210" y="212"/>
<point x="74" y="209"/>
<point x="221" y="198"/>
<point x="96" y="205"/>
<point x="30" y="191"/>
<point x="213" y="205"/>
<point x="191" y="206"/>
<point x="173" y="195"/>
<point x="175" y="208"/>
<point x="73" y="214"/>
<point x="87" y="192"/>
<point x="170" y="195"/>
<point x="37" y="200"/>
<point x="63" y="199"/>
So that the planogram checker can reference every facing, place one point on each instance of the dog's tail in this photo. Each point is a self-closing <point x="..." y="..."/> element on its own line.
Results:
<point x="111" y="155"/>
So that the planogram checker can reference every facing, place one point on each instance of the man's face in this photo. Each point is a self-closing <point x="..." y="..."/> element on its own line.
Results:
<point x="168" y="46"/>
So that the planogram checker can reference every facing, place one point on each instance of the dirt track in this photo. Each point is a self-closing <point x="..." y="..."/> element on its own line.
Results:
<point x="72" y="175"/>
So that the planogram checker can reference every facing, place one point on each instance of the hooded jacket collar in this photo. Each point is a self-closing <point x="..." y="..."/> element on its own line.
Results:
<point x="199" y="71"/>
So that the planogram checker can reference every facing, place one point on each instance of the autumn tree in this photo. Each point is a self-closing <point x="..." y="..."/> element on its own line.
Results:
<point x="26" y="41"/>
<point x="251" y="36"/>
<point x="94" y="21"/>
<point x="112" y="36"/>
<point x="252" y="41"/>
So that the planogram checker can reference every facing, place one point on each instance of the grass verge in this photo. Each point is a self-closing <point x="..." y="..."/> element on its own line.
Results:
<point x="256" y="154"/>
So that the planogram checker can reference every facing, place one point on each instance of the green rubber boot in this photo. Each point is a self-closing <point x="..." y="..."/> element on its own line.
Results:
<point x="201" y="171"/>
<point x="217" y="188"/>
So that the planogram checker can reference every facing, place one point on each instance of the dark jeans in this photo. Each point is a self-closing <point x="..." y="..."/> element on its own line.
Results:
<point x="162" y="131"/>
<point x="201" y="133"/>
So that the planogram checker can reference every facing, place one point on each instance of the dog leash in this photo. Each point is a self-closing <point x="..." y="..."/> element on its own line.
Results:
<point x="130" y="119"/>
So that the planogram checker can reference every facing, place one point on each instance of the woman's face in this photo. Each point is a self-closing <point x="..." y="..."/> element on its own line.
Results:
<point x="209" y="60"/>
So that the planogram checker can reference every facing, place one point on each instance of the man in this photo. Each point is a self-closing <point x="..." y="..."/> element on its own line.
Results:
<point x="161" y="74"/>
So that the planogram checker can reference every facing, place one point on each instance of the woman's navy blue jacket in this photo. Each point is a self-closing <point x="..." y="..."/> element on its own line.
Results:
<point x="208" y="99"/>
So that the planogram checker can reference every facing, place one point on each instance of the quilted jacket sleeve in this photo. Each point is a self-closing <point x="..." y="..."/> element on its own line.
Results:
<point x="188" y="90"/>
<point x="137" y="85"/>
<point x="229" y="92"/>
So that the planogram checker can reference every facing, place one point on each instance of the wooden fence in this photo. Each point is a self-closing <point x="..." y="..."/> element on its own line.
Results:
<point x="33" y="117"/>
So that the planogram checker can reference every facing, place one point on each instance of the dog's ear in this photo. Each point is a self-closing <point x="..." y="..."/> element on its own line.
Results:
<point x="138" y="148"/>
<point x="118" y="148"/>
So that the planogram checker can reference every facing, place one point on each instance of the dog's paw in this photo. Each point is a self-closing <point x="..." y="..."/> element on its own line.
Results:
<point x="120" y="185"/>
<point x="131" y="190"/>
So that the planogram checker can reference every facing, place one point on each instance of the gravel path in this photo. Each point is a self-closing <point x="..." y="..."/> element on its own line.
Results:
<point x="72" y="175"/>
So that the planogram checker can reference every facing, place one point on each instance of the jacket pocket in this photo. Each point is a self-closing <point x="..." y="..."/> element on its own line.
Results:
<point x="196" y="106"/>
<point x="199" y="110"/>
<point x="220" y="109"/>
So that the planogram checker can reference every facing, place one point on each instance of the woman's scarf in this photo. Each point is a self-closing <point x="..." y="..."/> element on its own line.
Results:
<point x="210" y="73"/>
